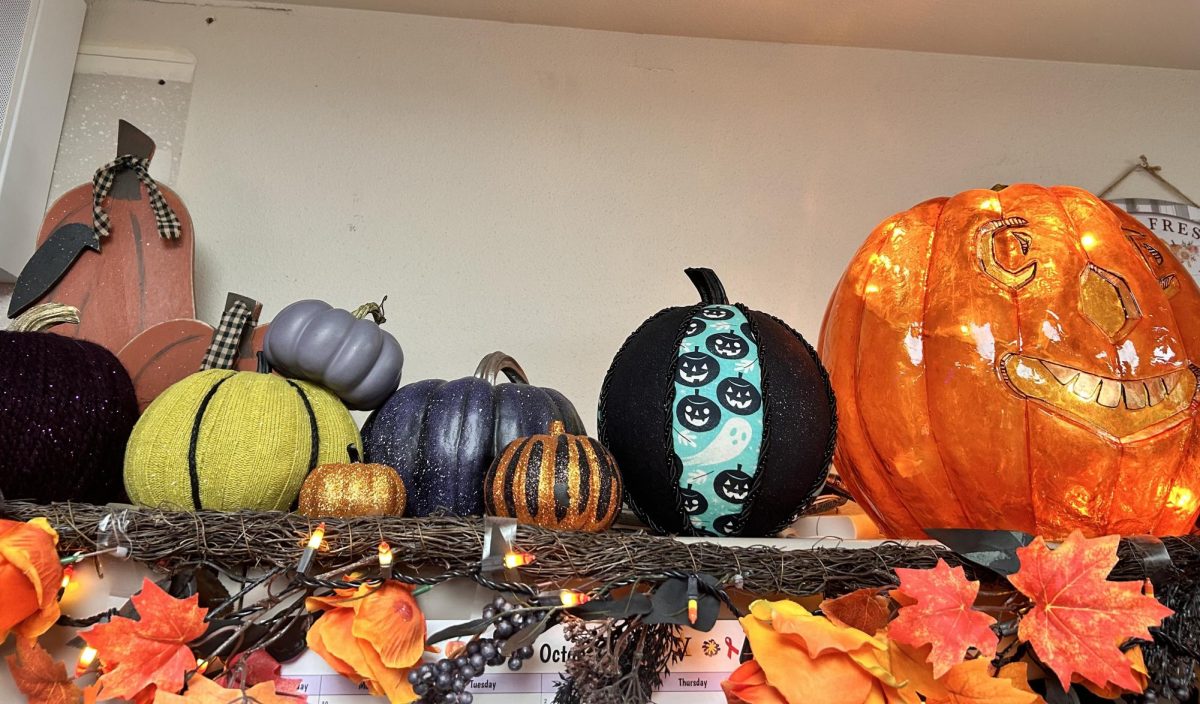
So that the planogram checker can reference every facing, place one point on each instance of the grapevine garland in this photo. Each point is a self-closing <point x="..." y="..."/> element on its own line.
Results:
<point x="621" y="597"/>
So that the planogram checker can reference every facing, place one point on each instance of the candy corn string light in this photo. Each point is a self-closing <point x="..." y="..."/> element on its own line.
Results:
<point x="570" y="598"/>
<point x="68" y="574"/>
<point x="86" y="657"/>
<point x="201" y="666"/>
<point x="310" y="550"/>
<point x="385" y="560"/>
<point x="514" y="560"/>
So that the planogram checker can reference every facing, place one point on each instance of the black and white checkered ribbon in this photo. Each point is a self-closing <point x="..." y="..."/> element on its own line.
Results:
<point x="223" y="350"/>
<point x="102" y="182"/>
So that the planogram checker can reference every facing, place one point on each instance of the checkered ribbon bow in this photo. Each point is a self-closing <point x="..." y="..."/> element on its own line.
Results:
<point x="168" y="224"/>
<point x="223" y="350"/>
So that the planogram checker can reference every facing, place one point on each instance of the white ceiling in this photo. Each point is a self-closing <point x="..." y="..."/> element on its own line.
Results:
<point x="1162" y="33"/>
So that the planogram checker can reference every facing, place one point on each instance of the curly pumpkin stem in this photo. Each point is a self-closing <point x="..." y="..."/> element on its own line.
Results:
<point x="375" y="310"/>
<point x="492" y="366"/>
<point x="43" y="316"/>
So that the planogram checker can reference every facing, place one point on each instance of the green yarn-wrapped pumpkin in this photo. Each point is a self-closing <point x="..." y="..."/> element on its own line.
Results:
<point x="227" y="440"/>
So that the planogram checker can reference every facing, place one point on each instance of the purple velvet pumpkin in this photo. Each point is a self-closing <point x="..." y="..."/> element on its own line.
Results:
<point x="338" y="349"/>
<point x="67" y="407"/>
<point x="441" y="436"/>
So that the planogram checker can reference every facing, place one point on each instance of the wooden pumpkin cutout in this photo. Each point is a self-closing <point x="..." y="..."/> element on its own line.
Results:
<point x="137" y="279"/>
<point x="169" y="351"/>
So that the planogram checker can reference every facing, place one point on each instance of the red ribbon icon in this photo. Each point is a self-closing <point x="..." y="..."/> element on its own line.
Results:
<point x="730" y="648"/>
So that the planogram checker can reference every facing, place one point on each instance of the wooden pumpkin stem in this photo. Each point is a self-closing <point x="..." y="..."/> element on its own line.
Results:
<point x="43" y="316"/>
<point x="352" y="452"/>
<point x="712" y="292"/>
<point x="375" y="310"/>
<point x="557" y="428"/>
<point x="491" y="366"/>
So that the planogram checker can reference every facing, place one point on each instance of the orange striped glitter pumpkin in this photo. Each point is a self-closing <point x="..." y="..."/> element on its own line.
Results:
<point x="560" y="481"/>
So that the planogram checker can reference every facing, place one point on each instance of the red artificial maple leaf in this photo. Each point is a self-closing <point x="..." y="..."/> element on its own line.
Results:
<point x="1079" y="618"/>
<point x="152" y="650"/>
<point x="41" y="678"/>
<point x="256" y="668"/>
<point x="938" y="610"/>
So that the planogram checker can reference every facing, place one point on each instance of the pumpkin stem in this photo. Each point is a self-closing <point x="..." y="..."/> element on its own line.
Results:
<point x="43" y="316"/>
<point x="375" y="310"/>
<point x="491" y="366"/>
<point x="557" y="428"/>
<point x="999" y="187"/>
<point x="706" y="282"/>
<point x="352" y="451"/>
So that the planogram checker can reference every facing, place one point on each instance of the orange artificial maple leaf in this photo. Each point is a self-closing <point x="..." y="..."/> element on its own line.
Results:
<point x="865" y="609"/>
<point x="152" y="650"/>
<point x="1079" y="618"/>
<point x="202" y="690"/>
<point x="41" y="678"/>
<point x="971" y="682"/>
<point x="939" y="610"/>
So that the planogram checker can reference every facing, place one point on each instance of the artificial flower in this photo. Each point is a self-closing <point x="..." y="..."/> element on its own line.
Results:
<point x="371" y="635"/>
<point x="30" y="575"/>
<point x="798" y="654"/>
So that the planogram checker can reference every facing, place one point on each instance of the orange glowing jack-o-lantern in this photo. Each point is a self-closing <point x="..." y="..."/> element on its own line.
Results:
<point x="1017" y="359"/>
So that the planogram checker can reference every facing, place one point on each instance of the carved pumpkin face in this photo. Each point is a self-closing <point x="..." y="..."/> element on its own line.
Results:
<point x="738" y="396"/>
<point x="697" y="413"/>
<point x="733" y="485"/>
<point x="727" y="345"/>
<point x="696" y="369"/>
<point x="693" y="502"/>
<point x="1020" y="359"/>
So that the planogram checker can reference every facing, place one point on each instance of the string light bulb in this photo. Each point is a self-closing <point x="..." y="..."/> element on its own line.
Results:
<point x="693" y="599"/>
<point x="318" y="535"/>
<point x="68" y="573"/>
<point x="310" y="550"/>
<point x="201" y="666"/>
<point x="513" y="560"/>
<point x="571" y="598"/>
<point x="86" y="657"/>
<point x="385" y="560"/>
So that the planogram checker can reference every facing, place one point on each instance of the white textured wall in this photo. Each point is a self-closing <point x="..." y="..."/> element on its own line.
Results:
<point x="539" y="190"/>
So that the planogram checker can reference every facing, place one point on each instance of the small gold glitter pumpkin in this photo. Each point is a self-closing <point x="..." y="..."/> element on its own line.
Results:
<point x="353" y="489"/>
<point x="561" y="481"/>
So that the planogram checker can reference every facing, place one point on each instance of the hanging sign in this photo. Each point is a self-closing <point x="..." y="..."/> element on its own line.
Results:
<point x="1177" y="224"/>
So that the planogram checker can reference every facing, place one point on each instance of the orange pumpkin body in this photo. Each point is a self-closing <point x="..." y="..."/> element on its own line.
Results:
<point x="346" y="490"/>
<point x="558" y="481"/>
<point x="1017" y="359"/>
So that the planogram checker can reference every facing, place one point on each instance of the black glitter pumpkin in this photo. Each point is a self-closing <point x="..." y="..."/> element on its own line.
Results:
<point x="67" y="407"/>
<point x="721" y="418"/>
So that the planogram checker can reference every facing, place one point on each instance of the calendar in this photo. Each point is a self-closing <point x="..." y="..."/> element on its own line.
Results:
<point x="696" y="680"/>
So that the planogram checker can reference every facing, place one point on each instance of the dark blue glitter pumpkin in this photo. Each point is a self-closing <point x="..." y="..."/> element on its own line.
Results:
<point x="67" y="407"/>
<point x="441" y="436"/>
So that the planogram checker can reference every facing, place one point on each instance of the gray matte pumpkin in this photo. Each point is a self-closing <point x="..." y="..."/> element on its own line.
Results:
<point x="352" y="357"/>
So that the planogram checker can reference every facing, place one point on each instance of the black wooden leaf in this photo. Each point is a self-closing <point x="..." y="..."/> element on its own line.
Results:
<point x="294" y="640"/>
<point x="670" y="605"/>
<point x="526" y="636"/>
<point x="469" y="628"/>
<point x="208" y="585"/>
<point x="995" y="550"/>
<point x="636" y="604"/>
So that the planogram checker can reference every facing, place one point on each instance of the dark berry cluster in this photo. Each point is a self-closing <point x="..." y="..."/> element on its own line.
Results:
<point x="446" y="681"/>
<point x="1169" y="657"/>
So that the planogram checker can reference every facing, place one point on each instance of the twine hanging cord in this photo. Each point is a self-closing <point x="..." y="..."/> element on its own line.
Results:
<point x="102" y="183"/>
<point x="1144" y="165"/>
